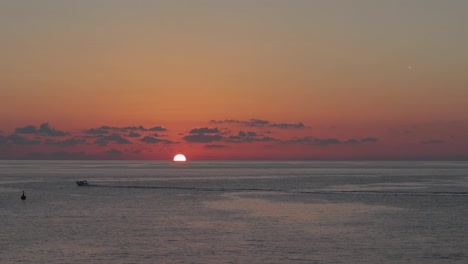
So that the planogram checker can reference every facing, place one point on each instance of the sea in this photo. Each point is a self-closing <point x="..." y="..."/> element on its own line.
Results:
<point x="234" y="212"/>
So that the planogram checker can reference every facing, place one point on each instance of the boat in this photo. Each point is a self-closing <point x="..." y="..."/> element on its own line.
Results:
<point x="82" y="183"/>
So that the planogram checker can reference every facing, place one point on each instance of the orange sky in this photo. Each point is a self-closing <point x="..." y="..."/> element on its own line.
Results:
<point x="394" y="71"/>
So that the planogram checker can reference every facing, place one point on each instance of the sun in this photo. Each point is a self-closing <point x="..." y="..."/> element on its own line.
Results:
<point x="180" y="157"/>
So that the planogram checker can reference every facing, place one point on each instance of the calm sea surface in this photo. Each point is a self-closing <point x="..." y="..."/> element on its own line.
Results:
<point x="234" y="212"/>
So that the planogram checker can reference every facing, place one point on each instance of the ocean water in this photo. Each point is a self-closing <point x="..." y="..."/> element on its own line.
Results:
<point x="234" y="212"/>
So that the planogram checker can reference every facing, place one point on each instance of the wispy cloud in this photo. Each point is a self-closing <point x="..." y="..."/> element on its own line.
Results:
<point x="248" y="137"/>
<point x="433" y="141"/>
<point x="328" y="141"/>
<point x="255" y="122"/>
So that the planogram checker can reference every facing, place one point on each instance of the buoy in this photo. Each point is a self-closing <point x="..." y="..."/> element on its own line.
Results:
<point x="23" y="197"/>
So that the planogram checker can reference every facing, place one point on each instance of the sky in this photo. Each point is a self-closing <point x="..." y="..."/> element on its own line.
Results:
<point x="234" y="80"/>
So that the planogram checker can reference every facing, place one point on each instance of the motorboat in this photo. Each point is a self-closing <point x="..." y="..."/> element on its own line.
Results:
<point x="82" y="183"/>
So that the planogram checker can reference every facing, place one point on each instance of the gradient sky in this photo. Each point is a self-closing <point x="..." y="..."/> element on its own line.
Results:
<point x="363" y="79"/>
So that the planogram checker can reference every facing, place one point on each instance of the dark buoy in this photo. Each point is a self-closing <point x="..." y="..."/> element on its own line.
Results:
<point x="23" y="197"/>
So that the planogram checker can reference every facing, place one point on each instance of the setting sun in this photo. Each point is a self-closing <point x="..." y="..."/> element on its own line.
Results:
<point x="179" y="157"/>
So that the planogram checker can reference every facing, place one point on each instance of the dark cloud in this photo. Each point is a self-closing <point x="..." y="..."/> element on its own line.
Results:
<point x="266" y="139"/>
<point x="248" y="133"/>
<point x="44" y="129"/>
<point x="248" y="137"/>
<point x="286" y="125"/>
<point x="257" y="122"/>
<point x="215" y="146"/>
<point x="26" y="130"/>
<point x="107" y="129"/>
<point x="328" y="141"/>
<point x="228" y="121"/>
<point x="325" y="142"/>
<point x="65" y="143"/>
<point x="433" y="141"/>
<point x="304" y="140"/>
<point x="254" y="122"/>
<point x="250" y="122"/>
<point x="134" y="134"/>
<point x="97" y="131"/>
<point x="132" y="128"/>
<point x="198" y="135"/>
<point x="351" y="141"/>
<point x="369" y="139"/>
<point x="19" y="140"/>
<point x="157" y="128"/>
<point x="201" y="138"/>
<point x="3" y="139"/>
<point x="205" y="130"/>
<point x="153" y="140"/>
<point x="115" y="138"/>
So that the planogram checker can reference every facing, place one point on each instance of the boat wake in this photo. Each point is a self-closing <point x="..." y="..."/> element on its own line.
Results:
<point x="312" y="192"/>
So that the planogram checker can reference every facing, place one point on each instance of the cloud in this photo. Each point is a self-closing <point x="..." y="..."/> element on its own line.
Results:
<point x="65" y="143"/>
<point x="255" y="122"/>
<point x="153" y="140"/>
<point x="132" y="128"/>
<point x="369" y="139"/>
<point x="26" y="130"/>
<point x="107" y="129"/>
<point x="134" y="134"/>
<point x="325" y="142"/>
<point x="205" y="130"/>
<point x="351" y="141"/>
<point x="139" y="128"/>
<point x="286" y="125"/>
<point x="248" y="133"/>
<point x="201" y="138"/>
<point x="115" y="138"/>
<point x="228" y="121"/>
<point x="44" y="129"/>
<point x="3" y="139"/>
<point x="97" y="131"/>
<point x="198" y="135"/>
<point x="433" y="141"/>
<point x="215" y="146"/>
<point x="19" y="140"/>
<point x="329" y="141"/>
<point x="248" y="137"/>
<point x="157" y="128"/>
